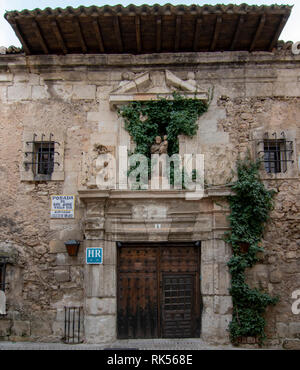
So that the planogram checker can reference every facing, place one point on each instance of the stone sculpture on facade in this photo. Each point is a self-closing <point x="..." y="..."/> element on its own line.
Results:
<point x="160" y="147"/>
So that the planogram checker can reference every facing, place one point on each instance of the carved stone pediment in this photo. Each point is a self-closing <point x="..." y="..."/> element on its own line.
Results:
<point x="153" y="85"/>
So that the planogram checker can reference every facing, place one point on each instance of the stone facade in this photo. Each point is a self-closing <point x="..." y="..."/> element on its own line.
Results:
<point x="75" y="98"/>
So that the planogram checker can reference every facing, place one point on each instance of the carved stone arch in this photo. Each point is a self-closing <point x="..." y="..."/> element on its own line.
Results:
<point x="152" y="85"/>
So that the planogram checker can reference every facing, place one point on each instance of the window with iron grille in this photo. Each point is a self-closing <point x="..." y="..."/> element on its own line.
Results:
<point x="3" y="261"/>
<point x="277" y="153"/>
<point x="44" y="158"/>
<point x="42" y="155"/>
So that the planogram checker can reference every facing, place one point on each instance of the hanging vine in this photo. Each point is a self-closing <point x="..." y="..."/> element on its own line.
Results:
<point x="146" y="120"/>
<point x="250" y="207"/>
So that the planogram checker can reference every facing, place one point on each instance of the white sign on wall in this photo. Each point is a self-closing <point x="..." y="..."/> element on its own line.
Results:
<point x="62" y="206"/>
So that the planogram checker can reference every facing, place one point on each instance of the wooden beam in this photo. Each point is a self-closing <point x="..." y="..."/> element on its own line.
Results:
<point x="178" y="33"/>
<point x="40" y="37"/>
<point x="216" y="32"/>
<point x="258" y="31"/>
<point x="98" y="35"/>
<point x="138" y="33"/>
<point x="283" y="20"/>
<point x="118" y="33"/>
<point x="20" y="36"/>
<point x="158" y="34"/>
<point x="197" y="32"/>
<point x="58" y="36"/>
<point x="79" y="34"/>
<point x="241" y="21"/>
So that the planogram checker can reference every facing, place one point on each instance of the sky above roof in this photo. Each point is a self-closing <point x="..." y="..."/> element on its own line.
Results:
<point x="291" y="31"/>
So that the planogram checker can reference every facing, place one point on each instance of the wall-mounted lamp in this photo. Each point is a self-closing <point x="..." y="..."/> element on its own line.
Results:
<point x="72" y="247"/>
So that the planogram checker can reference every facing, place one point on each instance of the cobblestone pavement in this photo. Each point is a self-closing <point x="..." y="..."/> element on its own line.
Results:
<point x="136" y="344"/>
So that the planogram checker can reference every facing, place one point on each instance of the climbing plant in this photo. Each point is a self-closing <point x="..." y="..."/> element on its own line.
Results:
<point x="249" y="211"/>
<point x="172" y="117"/>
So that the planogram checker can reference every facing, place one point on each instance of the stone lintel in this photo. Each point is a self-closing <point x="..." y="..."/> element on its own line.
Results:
<point x="119" y="99"/>
<point x="94" y="194"/>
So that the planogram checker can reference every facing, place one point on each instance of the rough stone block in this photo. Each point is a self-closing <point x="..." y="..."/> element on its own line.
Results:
<point x="293" y="344"/>
<point x="282" y="329"/>
<point x="61" y="91"/>
<point x="223" y="305"/>
<point x="207" y="252"/>
<point x="100" y="329"/>
<point x="222" y="279"/>
<point x="62" y="275"/>
<point x="294" y="329"/>
<point x="101" y="306"/>
<point x="31" y="78"/>
<point x="21" y="329"/>
<point x="19" y="92"/>
<point x="3" y="93"/>
<point x="57" y="246"/>
<point x="207" y="278"/>
<point x="86" y="92"/>
<point x="58" y="329"/>
<point x="39" y="92"/>
<point x="67" y="234"/>
<point x="221" y="220"/>
<point x="5" y="328"/>
<point x="275" y="277"/>
<point x="40" y="328"/>
<point x="101" y="280"/>
<point x="94" y="116"/>
<point x="6" y="77"/>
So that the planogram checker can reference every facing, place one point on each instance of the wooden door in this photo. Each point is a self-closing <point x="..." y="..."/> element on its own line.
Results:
<point x="178" y="319"/>
<point x="158" y="291"/>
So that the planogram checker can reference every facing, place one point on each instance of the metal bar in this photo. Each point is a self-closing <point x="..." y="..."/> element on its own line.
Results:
<point x="79" y="309"/>
<point x="49" y="153"/>
<point x="65" y="333"/>
<point x="159" y="291"/>
<point x="74" y="312"/>
<point x="69" y="323"/>
<point x="40" y="162"/>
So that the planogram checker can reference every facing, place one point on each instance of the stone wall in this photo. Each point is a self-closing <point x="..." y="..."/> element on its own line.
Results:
<point x="70" y="97"/>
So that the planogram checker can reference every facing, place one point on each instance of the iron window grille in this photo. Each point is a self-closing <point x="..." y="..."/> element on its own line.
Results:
<point x="276" y="153"/>
<point x="42" y="157"/>
<point x="73" y="325"/>
<point x="3" y="262"/>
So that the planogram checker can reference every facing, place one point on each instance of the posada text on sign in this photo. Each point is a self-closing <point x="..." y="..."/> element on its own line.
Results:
<point x="62" y="206"/>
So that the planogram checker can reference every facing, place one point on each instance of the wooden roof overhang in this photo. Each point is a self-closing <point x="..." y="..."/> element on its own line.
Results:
<point x="149" y="29"/>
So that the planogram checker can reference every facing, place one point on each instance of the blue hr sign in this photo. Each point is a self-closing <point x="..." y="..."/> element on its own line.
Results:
<point x="94" y="255"/>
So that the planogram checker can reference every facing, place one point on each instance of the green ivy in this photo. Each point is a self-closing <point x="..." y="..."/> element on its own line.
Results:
<point x="146" y="120"/>
<point x="249" y="211"/>
<point x="172" y="117"/>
